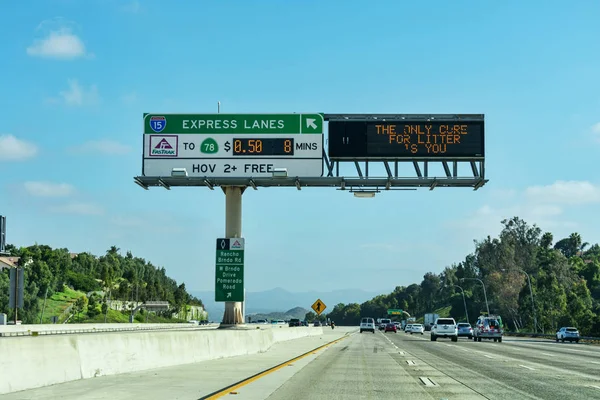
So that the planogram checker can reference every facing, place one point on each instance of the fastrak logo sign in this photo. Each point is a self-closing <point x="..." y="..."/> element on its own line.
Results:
<point x="163" y="145"/>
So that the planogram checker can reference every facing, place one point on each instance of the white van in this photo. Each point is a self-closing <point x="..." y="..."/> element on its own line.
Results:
<point x="367" y="324"/>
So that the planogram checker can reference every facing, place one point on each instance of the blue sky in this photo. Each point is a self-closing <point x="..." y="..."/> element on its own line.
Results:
<point x="77" y="76"/>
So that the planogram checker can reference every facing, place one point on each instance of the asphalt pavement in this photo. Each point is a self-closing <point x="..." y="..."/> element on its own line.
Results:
<point x="399" y="365"/>
<point x="344" y="364"/>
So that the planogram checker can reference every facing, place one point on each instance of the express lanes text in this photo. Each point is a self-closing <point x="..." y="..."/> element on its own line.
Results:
<point x="233" y="124"/>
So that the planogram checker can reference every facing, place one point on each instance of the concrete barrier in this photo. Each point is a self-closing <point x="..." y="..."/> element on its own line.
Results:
<point x="31" y="362"/>
<point x="59" y="329"/>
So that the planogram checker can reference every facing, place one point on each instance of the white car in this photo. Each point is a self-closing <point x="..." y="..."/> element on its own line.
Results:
<point x="568" y="333"/>
<point x="446" y="328"/>
<point x="417" y="328"/>
<point x="407" y="328"/>
<point x="367" y="324"/>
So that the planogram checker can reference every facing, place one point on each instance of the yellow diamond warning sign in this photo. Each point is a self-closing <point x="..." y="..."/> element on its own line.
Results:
<point x="319" y="306"/>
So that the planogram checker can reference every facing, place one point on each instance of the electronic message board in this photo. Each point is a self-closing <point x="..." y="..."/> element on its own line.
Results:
<point x="406" y="139"/>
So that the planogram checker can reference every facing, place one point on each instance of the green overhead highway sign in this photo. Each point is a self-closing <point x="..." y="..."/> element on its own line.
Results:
<point x="229" y="275"/>
<point x="393" y="311"/>
<point x="233" y="123"/>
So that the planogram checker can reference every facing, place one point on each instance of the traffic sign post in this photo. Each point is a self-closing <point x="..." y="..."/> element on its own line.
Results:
<point x="229" y="275"/>
<point x="318" y="306"/>
<point x="233" y="145"/>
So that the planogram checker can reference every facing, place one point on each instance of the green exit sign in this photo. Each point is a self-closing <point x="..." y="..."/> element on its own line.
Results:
<point x="229" y="274"/>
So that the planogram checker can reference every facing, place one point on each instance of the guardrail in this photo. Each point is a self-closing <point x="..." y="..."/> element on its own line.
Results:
<point x="551" y="336"/>
<point x="41" y="332"/>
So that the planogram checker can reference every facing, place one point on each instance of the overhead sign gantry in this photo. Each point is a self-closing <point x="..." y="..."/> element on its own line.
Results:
<point x="236" y="151"/>
<point x="454" y="141"/>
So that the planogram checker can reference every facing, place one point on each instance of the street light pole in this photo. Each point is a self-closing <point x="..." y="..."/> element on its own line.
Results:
<point x="484" y="292"/>
<point x="535" y="324"/>
<point x="464" y="301"/>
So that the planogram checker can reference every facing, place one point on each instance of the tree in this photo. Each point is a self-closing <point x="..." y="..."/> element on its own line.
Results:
<point x="310" y="317"/>
<point x="565" y="281"/>
<point x="80" y="305"/>
<point x="92" y="308"/>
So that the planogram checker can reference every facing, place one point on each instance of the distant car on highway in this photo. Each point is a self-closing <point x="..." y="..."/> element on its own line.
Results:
<point x="390" y="328"/>
<point x="416" y="328"/>
<point x="487" y="328"/>
<point x="383" y="323"/>
<point x="568" y="333"/>
<point x="407" y="328"/>
<point x="446" y="328"/>
<point x="295" y="322"/>
<point x="367" y="324"/>
<point x="465" y="330"/>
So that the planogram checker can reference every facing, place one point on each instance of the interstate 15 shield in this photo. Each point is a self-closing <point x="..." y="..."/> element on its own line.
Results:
<point x="158" y="123"/>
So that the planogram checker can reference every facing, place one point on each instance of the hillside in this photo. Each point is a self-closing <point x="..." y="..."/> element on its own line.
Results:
<point x="565" y="281"/>
<point x="280" y="300"/>
<point x="296" y="312"/>
<point x="87" y="288"/>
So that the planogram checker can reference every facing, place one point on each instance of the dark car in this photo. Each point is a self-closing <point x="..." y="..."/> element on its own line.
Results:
<point x="295" y="322"/>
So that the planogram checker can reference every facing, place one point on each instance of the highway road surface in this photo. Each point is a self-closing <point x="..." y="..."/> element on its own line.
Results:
<point x="364" y="366"/>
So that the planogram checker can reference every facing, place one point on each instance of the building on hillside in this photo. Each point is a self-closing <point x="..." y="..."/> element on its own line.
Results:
<point x="8" y="262"/>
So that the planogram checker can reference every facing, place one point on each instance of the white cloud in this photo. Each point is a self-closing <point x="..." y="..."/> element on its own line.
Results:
<point x="565" y="192"/>
<point x="77" y="95"/>
<point x="147" y="224"/>
<point x="13" y="149"/>
<point x="381" y="246"/>
<point x="78" y="208"/>
<point x="49" y="189"/>
<point x="133" y="7"/>
<point x="596" y="132"/>
<point x="103" y="146"/>
<point x="547" y="206"/>
<point x="127" y="222"/>
<point x="60" y="44"/>
<point x="129" y="98"/>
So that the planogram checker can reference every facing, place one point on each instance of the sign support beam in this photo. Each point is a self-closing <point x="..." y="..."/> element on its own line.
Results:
<point x="233" y="229"/>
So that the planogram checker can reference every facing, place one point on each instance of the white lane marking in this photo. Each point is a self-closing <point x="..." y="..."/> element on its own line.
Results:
<point x="595" y="362"/>
<point x="591" y="351"/>
<point x="525" y="366"/>
<point x="548" y="354"/>
<point x="427" y="382"/>
<point x="449" y="345"/>
<point x="485" y="355"/>
<point x="593" y="386"/>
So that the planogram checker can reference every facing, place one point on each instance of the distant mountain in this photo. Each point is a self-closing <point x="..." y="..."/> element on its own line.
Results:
<point x="281" y="300"/>
<point x="296" y="312"/>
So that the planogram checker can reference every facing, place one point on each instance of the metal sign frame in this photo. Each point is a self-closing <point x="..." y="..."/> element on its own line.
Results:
<point x="362" y="181"/>
<point x="2" y="234"/>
